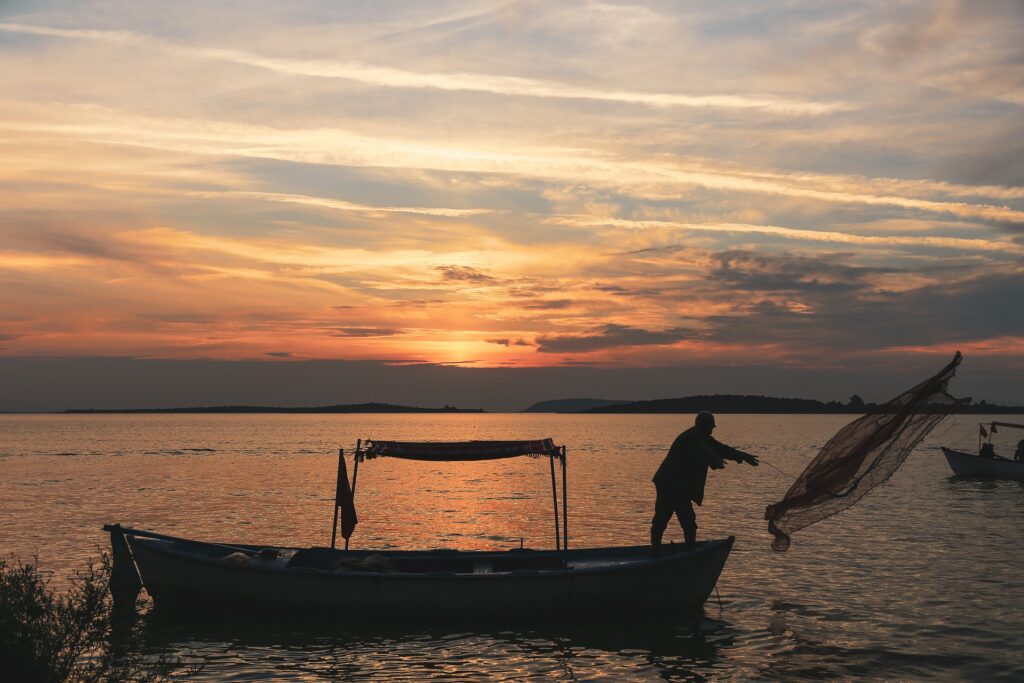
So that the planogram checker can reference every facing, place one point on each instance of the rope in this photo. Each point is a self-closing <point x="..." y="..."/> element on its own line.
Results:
<point x="765" y="462"/>
<point x="761" y="459"/>
<point x="949" y="425"/>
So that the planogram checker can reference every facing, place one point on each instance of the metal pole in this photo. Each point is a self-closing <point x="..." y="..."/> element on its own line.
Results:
<point x="355" y="470"/>
<point x="337" y="492"/>
<point x="565" y="503"/>
<point x="554" y="500"/>
<point x="355" y="473"/>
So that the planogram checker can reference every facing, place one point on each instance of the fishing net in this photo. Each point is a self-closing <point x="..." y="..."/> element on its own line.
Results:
<point x="862" y="455"/>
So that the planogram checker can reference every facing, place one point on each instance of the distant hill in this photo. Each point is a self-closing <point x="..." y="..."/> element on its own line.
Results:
<point x="572" y="405"/>
<point x="352" y="408"/>
<point x="732" y="403"/>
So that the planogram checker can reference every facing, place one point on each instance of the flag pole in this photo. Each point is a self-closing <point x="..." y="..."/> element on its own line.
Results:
<point x="355" y="473"/>
<point x="554" y="500"/>
<point x="565" y="504"/>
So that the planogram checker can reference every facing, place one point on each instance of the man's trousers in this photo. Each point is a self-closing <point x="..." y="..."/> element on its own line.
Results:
<point x="667" y="503"/>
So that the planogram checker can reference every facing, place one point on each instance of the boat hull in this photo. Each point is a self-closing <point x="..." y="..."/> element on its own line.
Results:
<point x="968" y="465"/>
<point x="598" y="580"/>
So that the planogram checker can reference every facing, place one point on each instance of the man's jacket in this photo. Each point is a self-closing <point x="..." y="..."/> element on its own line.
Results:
<point x="685" y="468"/>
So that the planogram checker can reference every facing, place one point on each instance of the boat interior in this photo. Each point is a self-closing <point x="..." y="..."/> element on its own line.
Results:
<point x="437" y="561"/>
<point x="440" y="561"/>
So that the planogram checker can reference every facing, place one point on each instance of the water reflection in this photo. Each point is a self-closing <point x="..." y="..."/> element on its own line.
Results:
<point x="985" y="485"/>
<point x="682" y="649"/>
<point x="694" y="648"/>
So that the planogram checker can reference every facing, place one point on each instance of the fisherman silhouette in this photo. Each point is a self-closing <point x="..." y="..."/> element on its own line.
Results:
<point x="679" y="481"/>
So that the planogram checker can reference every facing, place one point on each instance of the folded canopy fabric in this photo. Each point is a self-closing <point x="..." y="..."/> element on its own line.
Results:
<point x="459" y="450"/>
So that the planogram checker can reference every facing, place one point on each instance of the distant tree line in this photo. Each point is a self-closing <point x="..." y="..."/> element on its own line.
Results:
<point x="350" y="408"/>
<point x="733" y="403"/>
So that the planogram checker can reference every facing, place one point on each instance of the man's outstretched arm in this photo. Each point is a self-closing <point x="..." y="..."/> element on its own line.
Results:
<point x="730" y="453"/>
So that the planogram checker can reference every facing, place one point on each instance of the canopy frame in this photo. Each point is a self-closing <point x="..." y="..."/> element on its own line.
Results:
<point x="1012" y="425"/>
<point x="458" y="451"/>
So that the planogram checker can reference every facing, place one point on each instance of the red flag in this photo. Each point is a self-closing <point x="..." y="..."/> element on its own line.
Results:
<point x="994" y="430"/>
<point x="983" y="432"/>
<point x="343" y="498"/>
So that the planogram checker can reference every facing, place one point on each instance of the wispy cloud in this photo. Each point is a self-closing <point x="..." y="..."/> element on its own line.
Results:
<point x="956" y="243"/>
<point x="347" y="148"/>
<point x="340" y="204"/>
<point x="15" y="260"/>
<point x="365" y="332"/>
<point x="383" y="76"/>
<point x="610" y="336"/>
<point x="464" y="274"/>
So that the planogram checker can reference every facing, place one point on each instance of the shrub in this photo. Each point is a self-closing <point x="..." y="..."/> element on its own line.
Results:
<point x="71" y="636"/>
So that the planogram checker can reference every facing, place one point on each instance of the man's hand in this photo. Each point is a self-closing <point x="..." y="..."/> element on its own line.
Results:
<point x="751" y="459"/>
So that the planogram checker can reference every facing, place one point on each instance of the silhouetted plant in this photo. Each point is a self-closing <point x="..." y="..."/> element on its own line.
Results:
<point x="75" y="635"/>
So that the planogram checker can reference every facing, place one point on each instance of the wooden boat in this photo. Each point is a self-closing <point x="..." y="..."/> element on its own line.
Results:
<point x="430" y="584"/>
<point x="434" y="583"/>
<point x="986" y="463"/>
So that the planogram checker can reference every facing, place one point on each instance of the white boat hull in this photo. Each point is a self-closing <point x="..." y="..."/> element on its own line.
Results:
<point x="969" y="465"/>
<point x="598" y="580"/>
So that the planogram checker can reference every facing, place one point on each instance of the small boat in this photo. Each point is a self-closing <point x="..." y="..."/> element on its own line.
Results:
<point x="432" y="584"/>
<point x="971" y="465"/>
<point x="986" y="463"/>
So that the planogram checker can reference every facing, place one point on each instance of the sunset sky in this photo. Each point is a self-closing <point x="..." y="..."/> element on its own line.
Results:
<point x="515" y="184"/>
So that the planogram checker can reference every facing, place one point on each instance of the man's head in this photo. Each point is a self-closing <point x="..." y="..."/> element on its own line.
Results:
<point x="705" y="421"/>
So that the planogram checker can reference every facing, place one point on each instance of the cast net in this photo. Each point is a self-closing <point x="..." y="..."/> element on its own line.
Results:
<point x="862" y="455"/>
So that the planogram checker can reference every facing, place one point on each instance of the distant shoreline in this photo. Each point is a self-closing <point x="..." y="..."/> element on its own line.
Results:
<point x="736" y="404"/>
<point x="437" y="411"/>
<point x="337" y="409"/>
<point x="726" y="404"/>
<point x="968" y="410"/>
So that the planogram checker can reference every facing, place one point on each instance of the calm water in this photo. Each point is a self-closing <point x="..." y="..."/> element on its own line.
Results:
<point x="922" y="580"/>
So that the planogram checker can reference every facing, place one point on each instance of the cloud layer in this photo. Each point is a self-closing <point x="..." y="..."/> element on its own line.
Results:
<point x="512" y="185"/>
